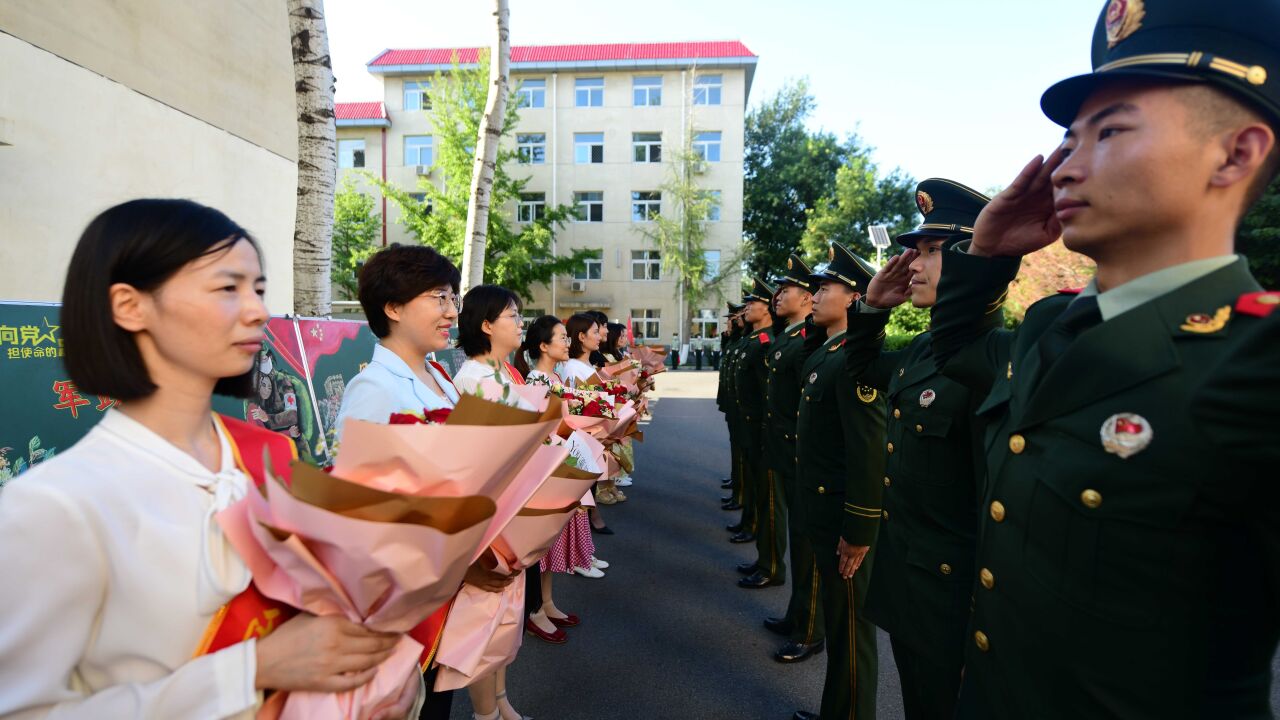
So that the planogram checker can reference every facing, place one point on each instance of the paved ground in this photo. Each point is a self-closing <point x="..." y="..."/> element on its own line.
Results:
<point x="667" y="634"/>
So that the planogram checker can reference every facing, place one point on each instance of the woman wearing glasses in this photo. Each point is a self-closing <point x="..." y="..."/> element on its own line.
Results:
<point x="409" y="296"/>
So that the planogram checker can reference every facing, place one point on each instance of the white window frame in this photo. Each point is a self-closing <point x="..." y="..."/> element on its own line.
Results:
<point x="648" y="263"/>
<point x="584" y="205"/>
<point x="646" y="205"/>
<point x="707" y="89"/>
<point x="592" y="268"/>
<point x="528" y="146"/>
<point x="347" y="153"/>
<point x="417" y="95"/>
<point x="648" y="319"/>
<point x="645" y="92"/>
<point x="588" y="91"/>
<point x="531" y="207"/>
<point x="534" y="96"/>
<point x="708" y="324"/>
<point x="584" y="145"/>
<point x="429" y="146"/>
<point x="705" y="146"/>
<point x="646" y="147"/>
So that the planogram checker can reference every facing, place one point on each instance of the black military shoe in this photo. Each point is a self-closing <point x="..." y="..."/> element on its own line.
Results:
<point x="726" y="484"/>
<point x="802" y="715"/>
<point x="731" y="506"/>
<point x="743" y="537"/>
<point x="726" y="499"/>
<point x="758" y="580"/>
<point x="747" y="568"/>
<point x="794" y="652"/>
<point x="734" y="528"/>
<point x="778" y="626"/>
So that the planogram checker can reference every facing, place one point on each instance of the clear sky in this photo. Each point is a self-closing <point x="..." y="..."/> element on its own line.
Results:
<point x="945" y="88"/>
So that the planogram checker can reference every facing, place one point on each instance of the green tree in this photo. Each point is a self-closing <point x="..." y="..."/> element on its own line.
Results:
<point x="787" y="170"/>
<point x="355" y="235"/>
<point x="516" y="257"/>
<point x="1259" y="237"/>
<point x="863" y="197"/>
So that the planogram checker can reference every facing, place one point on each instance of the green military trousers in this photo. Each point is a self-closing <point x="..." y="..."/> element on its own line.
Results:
<point x="849" y="692"/>
<point x="804" y="607"/>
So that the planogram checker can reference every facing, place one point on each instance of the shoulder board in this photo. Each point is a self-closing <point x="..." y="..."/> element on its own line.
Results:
<point x="799" y="332"/>
<point x="1070" y="291"/>
<point x="764" y="338"/>
<point x="836" y="347"/>
<point x="1258" y="304"/>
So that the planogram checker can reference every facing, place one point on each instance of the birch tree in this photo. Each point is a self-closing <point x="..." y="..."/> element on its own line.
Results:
<point x="317" y="158"/>
<point x="487" y="150"/>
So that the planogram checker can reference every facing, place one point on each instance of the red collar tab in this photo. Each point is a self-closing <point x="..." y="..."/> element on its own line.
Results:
<point x="802" y="333"/>
<point x="1258" y="304"/>
<point x="764" y="338"/>
<point x="1070" y="291"/>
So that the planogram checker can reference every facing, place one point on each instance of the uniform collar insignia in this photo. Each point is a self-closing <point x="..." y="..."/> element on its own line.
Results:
<point x="1203" y="324"/>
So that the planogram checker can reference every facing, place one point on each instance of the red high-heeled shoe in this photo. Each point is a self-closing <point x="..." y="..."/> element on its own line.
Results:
<point x="555" y="638"/>
<point x="569" y="620"/>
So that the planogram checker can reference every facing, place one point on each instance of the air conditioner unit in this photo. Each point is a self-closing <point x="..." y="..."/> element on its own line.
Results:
<point x="424" y="169"/>
<point x="578" y="286"/>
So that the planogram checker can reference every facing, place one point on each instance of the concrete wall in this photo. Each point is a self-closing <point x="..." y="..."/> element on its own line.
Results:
<point x="105" y="102"/>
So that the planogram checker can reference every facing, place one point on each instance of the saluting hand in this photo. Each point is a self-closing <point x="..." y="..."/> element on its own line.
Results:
<point x="1021" y="219"/>
<point x="892" y="285"/>
<point x="851" y="557"/>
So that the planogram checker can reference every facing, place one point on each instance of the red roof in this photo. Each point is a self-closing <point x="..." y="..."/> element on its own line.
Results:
<point x="359" y="111"/>
<point x="572" y="53"/>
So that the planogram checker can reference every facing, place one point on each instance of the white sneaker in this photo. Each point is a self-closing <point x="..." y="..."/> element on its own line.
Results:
<point x="592" y="572"/>
<point x="624" y="481"/>
<point x="599" y="564"/>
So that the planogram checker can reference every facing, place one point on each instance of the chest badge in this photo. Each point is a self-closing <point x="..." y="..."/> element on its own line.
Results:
<point x="813" y="377"/>
<point x="866" y="394"/>
<point x="777" y="355"/>
<point x="927" y="397"/>
<point x="1125" y="434"/>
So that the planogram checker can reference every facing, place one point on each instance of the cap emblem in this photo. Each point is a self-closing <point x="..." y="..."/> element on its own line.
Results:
<point x="831" y="253"/>
<point x="788" y="263"/>
<point x="924" y="201"/>
<point x="1124" y="17"/>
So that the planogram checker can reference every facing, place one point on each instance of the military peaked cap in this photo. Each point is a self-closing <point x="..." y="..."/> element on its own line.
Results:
<point x="845" y="267"/>
<point x="949" y="209"/>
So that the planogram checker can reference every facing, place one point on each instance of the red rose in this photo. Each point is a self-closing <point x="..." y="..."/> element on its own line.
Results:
<point x="406" y="419"/>
<point x="439" y="416"/>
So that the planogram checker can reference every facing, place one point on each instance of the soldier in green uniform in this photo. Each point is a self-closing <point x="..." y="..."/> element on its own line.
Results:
<point x="802" y="621"/>
<point x="920" y="590"/>
<point x="280" y="404"/>
<point x="1127" y="561"/>
<point x="728" y="405"/>
<point x="760" y="504"/>
<point x="839" y="466"/>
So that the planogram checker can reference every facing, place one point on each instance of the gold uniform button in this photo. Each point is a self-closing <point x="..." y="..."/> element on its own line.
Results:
<point x="1091" y="499"/>
<point x="806" y="399"/>
<point x="884" y="514"/>
<point x="886" y="481"/>
<point x="980" y="639"/>
<point x="1017" y="444"/>
<point x="821" y="490"/>
<point x="901" y="371"/>
<point x="890" y="446"/>
<point x="897" y="413"/>
<point x="919" y="428"/>
<point x="988" y="580"/>
<point x="945" y="568"/>
<point x="997" y="511"/>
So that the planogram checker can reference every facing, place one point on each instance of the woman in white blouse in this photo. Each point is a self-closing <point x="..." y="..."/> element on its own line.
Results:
<point x="585" y="338"/>
<point x="409" y="297"/>
<point x="114" y="566"/>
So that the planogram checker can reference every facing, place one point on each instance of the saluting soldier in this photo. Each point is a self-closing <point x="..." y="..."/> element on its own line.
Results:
<point x="1127" y="559"/>
<point x="839" y="463"/>
<point x="759" y="503"/>
<point x="793" y="303"/>
<point x="729" y="405"/>
<point x="726" y="339"/>
<point x="923" y="578"/>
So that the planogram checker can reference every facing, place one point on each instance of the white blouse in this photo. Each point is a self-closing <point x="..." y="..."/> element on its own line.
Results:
<point x="574" y="371"/>
<point x="471" y="372"/>
<point x="112" y="568"/>
<point x="387" y="386"/>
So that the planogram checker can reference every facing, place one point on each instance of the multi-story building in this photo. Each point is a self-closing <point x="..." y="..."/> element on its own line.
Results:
<point x="598" y="127"/>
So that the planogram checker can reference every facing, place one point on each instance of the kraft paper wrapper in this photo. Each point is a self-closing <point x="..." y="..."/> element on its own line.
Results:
<point x="471" y="410"/>
<point x="446" y="514"/>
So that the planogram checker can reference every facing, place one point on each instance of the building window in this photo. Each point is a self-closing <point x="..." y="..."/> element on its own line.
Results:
<point x="712" y="269"/>
<point x="417" y="150"/>
<point x="646" y="265"/>
<point x="706" y="145"/>
<point x="706" y="324"/>
<point x="590" y="206"/>
<point x="588" y="92"/>
<point x="532" y="207"/>
<point x="532" y="93"/>
<point x="424" y="201"/>
<point x="588" y="148"/>
<point x="646" y="324"/>
<point x="351" y="153"/>
<point x="646" y="147"/>
<point x="706" y="90"/>
<point x="531" y="148"/>
<point x="531" y="314"/>
<point x="417" y="95"/>
<point x="646" y="90"/>
<point x="713" y="207"/>
<point x="592" y="269"/>
<point x="645" y="206"/>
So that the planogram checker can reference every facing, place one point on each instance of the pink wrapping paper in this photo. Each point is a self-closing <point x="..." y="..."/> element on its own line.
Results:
<point x="531" y="477"/>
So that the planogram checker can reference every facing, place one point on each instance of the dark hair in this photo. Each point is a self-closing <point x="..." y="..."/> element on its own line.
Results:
<point x="601" y="318"/>
<point x="537" y="334"/>
<point x="575" y="326"/>
<point x="610" y="345"/>
<point x="481" y="303"/>
<point x="398" y="274"/>
<point x="142" y="243"/>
